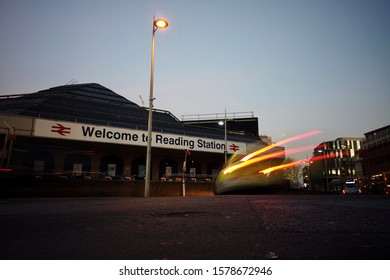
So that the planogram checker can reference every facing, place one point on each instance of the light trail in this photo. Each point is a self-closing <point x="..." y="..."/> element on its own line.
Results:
<point x="267" y="148"/>
<point x="265" y="157"/>
<point x="252" y="161"/>
<point x="292" y="164"/>
<point x="282" y="166"/>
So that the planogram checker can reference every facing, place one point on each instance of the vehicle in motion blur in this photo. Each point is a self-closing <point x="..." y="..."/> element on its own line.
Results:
<point x="238" y="176"/>
<point x="261" y="167"/>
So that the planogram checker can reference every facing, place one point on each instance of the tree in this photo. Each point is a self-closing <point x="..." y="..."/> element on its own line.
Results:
<point x="292" y="174"/>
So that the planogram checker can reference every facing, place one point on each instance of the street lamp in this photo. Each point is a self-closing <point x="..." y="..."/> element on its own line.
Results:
<point x="307" y="176"/>
<point x="157" y="23"/>
<point x="225" y="137"/>
<point x="324" y="150"/>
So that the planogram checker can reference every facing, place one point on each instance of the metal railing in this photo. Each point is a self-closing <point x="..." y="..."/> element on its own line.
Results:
<point x="217" y="116"/>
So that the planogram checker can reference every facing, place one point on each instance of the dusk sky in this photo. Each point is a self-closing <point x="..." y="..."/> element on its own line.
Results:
<point x="298" y="65"/>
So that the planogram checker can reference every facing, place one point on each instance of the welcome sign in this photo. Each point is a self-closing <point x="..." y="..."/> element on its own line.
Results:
<point x="108" y="134"/>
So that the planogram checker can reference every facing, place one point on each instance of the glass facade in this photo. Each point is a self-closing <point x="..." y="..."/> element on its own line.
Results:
<point x="337" y="162"/>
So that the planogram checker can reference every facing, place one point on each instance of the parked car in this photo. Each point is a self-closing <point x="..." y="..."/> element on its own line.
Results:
<point x="350" y="189"/>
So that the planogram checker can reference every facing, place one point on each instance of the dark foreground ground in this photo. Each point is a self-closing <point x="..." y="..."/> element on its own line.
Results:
<point x="302" y="227"/>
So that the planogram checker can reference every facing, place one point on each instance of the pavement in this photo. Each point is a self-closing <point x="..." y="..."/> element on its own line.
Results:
<point x="242" y="227"/>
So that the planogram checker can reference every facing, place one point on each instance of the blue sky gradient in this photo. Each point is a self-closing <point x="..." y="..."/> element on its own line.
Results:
<point x="298" y="65"/>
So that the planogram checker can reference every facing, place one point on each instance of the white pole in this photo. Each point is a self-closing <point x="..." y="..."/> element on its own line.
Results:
<point x="149" y="140"/>
<point x="225" y="138"/>
<point x="184" y="172"/>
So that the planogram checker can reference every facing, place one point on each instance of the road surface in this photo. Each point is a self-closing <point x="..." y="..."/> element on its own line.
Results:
<point x="301" y="227"/>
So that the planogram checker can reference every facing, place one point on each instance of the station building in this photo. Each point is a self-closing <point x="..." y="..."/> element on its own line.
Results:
<point x="87" y="131"/>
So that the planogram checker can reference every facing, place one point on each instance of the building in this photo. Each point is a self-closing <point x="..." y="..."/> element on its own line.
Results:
<point x="336" y="164"/>
<point x="376" y="159"/>
<point x="88" y="131"/>
<point x="236" y="123"/>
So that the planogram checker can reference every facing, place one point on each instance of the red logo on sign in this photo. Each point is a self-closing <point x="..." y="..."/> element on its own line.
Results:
<point x="60" y="129"/>
<point x="234" y="147"/>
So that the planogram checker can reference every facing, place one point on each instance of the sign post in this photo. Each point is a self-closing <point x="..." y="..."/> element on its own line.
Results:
<point x="186" y="152"/>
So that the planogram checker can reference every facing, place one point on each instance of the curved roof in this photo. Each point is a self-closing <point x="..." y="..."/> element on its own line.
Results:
<point x="92" y="103"/>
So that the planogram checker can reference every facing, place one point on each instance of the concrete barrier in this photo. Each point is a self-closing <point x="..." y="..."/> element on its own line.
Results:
<point x="33" y="187"/>
<point x="12" y="187"/>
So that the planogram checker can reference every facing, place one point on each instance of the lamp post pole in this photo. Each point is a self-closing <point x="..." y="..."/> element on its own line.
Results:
<point x="326" y="166"/>
<point x="225" y="152"/>
<point x="326" y="169"/>
<point x="224" y="123"/>
<point x="158" y="23"/>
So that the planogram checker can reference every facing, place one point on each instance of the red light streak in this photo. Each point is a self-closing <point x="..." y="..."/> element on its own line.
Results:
<point x="252" y="161"/>
<point x="294" y="138"/>
<point x="5" y="169"/>
<point x="265" y="157"/>
<point x="292" y="164"/>
<point x="282" y="166"/>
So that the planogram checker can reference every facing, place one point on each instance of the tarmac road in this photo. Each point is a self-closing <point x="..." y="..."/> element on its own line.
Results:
<point x="301" y="227"/>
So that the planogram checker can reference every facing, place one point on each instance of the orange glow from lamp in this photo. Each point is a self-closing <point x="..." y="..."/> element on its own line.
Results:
<point x="160" y="23"/>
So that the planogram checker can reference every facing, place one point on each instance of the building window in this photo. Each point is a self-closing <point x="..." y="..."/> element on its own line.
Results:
<point x="111" y="166"/>
<point x="138" y="168"/>
<point x="167" y="168"/>
<point x="77" y="165"/>
<point x="39" y="166"/>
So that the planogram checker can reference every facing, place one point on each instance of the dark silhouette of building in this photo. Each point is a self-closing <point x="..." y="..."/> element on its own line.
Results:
<point x="376" y="159"/>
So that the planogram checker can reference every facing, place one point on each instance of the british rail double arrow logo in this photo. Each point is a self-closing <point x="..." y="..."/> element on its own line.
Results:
<point x="60" y="129"/>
